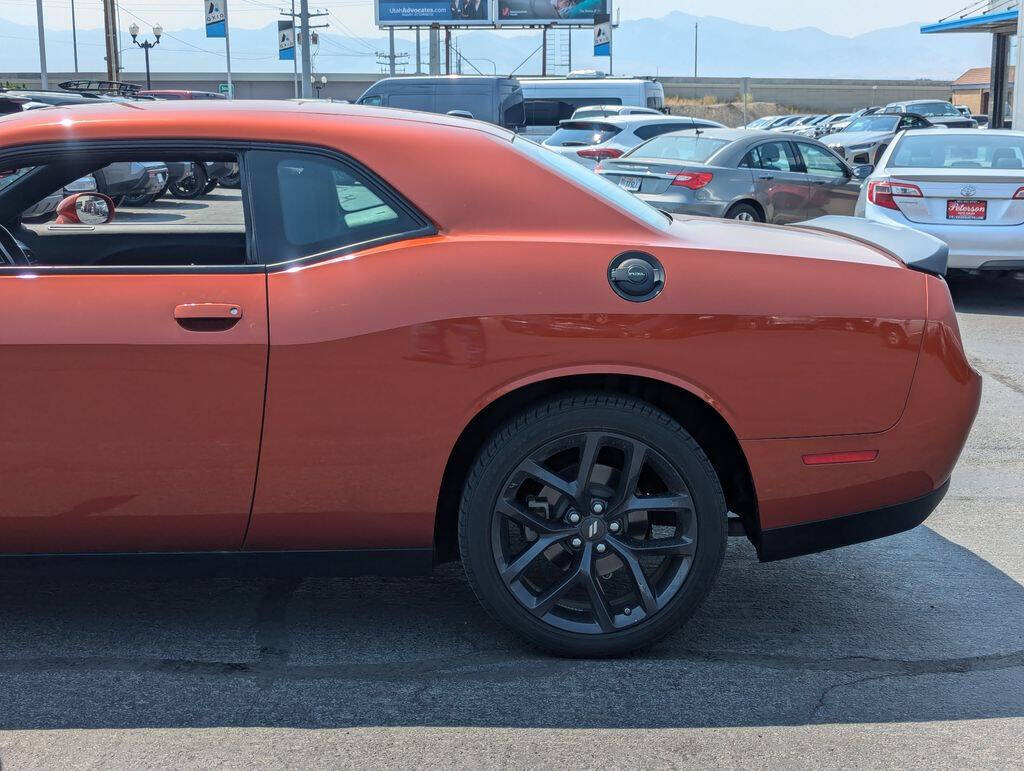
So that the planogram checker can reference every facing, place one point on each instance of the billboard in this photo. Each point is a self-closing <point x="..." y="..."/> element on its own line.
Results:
<point x="408" y="13"/>
<point x="569" y="12"/>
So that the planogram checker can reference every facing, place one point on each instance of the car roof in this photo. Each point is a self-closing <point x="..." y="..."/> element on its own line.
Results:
<point x="189" y="117"/>
<point x="645" y="119"/>
<point x="941" y="130"/>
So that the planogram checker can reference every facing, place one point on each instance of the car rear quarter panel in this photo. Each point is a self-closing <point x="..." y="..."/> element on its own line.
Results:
<point x="379" y="360"/>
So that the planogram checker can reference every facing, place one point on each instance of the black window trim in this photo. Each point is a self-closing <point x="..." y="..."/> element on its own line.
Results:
<point x="38" y="154"/>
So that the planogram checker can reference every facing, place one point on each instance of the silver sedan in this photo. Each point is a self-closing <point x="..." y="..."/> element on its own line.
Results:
<point x="739" y="174"/>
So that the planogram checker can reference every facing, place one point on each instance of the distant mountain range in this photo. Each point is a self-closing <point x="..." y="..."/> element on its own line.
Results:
<point x="643" y="47"/>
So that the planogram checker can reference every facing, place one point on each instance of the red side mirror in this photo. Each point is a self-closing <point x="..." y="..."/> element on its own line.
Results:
<point x="85" y="209"/>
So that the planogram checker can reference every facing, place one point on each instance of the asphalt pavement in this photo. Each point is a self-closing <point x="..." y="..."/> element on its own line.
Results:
<point x="906" y="652"/>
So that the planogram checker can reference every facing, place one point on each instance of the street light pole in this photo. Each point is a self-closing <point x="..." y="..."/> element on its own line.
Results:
<point x="145" y="45"/>
<point x="43" y="81"/>
<point x="74" y="35"/>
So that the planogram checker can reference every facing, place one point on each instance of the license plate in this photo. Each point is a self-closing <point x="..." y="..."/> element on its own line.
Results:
<point x="632" y="184"/>
<point x="966" y="210"/>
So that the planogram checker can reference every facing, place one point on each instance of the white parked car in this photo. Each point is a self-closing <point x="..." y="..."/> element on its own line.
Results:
<point x="591" y="141"/>
<point x="548" y="101"/>
<point x="608" y="110"/>
<point x="963" y="186"/>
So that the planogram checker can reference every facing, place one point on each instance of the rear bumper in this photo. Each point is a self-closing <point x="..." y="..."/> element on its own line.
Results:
<point x="970" y="248"/>
<point x="796" y="540"/>
<point x="673" y="203"/>
<point x="828" y="505"/>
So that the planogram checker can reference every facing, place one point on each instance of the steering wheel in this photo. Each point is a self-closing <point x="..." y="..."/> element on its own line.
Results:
<point x="11" y="252"/>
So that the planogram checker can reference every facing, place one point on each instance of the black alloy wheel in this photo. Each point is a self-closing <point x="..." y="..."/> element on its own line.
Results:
<point x="192" y="185"/>
<point x="592" y="525"/>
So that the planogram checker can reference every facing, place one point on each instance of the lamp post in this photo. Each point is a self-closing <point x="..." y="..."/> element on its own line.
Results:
<point x="145" y="45"/>
<point x="318" y="83"/>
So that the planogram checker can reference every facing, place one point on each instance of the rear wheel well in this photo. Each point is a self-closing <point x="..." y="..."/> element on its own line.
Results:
<point x="704" y="424"/>
<point x="753" y="204"/>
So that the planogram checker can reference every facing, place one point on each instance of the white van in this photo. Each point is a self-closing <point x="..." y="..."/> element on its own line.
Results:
<point x="549" y="101"/>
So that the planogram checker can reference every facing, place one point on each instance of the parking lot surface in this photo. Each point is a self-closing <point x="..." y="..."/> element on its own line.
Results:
<point x="903" y="652"/>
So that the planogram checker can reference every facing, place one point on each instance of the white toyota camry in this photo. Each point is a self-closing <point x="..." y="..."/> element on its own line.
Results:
<point x="963" y="186"/>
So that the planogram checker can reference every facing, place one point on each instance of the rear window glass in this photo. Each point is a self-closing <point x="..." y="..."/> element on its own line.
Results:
<point x="980" y="150"/>
<point x="548" y="112"/>
<point x="684" y="147"/>
<point x="578" y="134"/>
<point x="934" y="109"/>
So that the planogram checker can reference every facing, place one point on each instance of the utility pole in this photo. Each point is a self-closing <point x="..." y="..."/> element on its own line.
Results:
<point x="419" y="60"/>
<point x="695" y="28"/>
<point x="434" y="46"/>
<point x="544" y="53"/>
<point x="43" y="80"/>
<point x="227" y="51"/>
<point x="295" y="59"/>
<point x="447" y="50"/>
<point x="304" y="17"/>
<point x="110" y="38"/>
<point x="74" y="35"/>
<point x="391" y="51"/>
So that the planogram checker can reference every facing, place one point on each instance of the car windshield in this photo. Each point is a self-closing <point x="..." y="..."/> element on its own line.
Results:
<point x="679" y="147"/>
<point x="584" y="178"/>
<point x="874" y="123"/>
<point x="980" y="150"/>
<point x="581" y="134"/>
<point x="935" y="109"/>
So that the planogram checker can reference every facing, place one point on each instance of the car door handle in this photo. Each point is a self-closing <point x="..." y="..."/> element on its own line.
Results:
<point x="766" y="176"/>
<point x="817" y="182"/>
<point x="207" y="317"/>
<point x="208" y="311"/>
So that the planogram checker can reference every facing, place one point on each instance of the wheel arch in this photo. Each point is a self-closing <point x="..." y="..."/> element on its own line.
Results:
<point x="705" y="423"/>
<point x="749" y="202"/>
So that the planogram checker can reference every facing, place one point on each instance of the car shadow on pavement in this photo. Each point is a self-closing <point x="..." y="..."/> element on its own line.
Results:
<point x="1002" y="296"/>
<point x="913" y="628"/>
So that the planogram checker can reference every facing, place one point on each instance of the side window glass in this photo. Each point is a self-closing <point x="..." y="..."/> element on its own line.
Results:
<point x="751" y="160"/>
<point x="373" y="101"/>
<point x="139" y="212"/>
<point x="310" y="205"/>
<point x="774" y="156"/>
<point x="819" y="163"/>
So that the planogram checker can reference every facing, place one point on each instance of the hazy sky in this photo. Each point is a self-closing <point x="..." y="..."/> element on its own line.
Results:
<point x="841" y="17"/>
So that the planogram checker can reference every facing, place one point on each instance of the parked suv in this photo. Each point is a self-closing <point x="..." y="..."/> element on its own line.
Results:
<point x="493" y="99"/>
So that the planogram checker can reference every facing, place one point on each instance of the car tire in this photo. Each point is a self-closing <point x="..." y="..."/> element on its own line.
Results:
<point x="211" y="185"/>
<point x="232" y="181"/>
<point x="595" y="605"/>
<point x="744" y="212"/>
<point x="191" y="186"/>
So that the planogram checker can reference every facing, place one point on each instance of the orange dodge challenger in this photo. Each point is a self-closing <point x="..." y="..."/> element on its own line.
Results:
<point x="412" y="338"/>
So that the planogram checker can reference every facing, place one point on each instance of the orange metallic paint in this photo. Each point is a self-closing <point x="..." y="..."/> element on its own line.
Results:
<point x="142" y="435"/>
<point x="119" y="430"/>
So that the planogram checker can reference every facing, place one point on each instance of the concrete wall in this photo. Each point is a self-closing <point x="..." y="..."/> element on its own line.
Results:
<point x="807" y="94"/>
<point x="804" y="94"/>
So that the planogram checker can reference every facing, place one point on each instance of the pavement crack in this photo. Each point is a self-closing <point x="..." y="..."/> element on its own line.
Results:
<point x="989" y="369"/>
<point x="491" y="666"/>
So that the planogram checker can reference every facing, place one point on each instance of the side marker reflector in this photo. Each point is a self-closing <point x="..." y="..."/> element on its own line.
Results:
<point x="855" y="456"/>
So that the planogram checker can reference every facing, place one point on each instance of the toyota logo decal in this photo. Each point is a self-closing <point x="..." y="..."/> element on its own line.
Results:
<point x="968" y="191"/>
